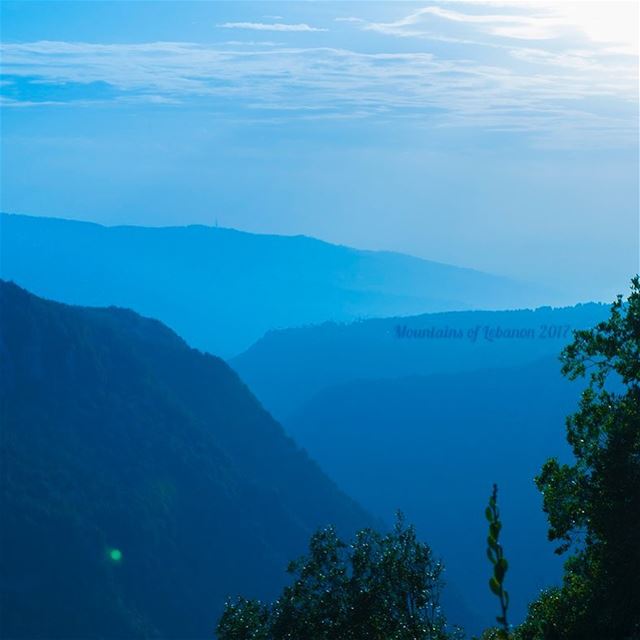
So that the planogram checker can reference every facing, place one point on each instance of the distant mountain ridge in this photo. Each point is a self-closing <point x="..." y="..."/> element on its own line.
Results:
<point x="286" y="368"/>
<point x="142" y="483"/>
<point x="223" y="289"/>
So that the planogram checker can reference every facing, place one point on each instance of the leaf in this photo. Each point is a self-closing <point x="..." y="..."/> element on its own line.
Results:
<point x="500" y="569"/>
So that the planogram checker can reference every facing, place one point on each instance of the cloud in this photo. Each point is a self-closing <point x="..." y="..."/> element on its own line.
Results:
<point x="284" y="82"/>
<point x="598" y="22"/>
<point x="421" y="23"/>
<point x="272" y="26"/>
<point x="569" y="54"/>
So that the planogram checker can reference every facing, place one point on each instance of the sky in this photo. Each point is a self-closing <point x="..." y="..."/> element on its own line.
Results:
<point x="498" y="135"/>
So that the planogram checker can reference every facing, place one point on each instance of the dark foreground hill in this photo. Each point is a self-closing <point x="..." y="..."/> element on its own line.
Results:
<point x="287" y="368"/>
<point x="222" y="289"/>
<point x="435" y="445"/>
<point x="142" y="483"/>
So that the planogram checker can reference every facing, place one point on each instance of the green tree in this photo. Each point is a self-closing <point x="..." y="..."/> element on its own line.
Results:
<point x="378" y="587"/>
<point x="593" y="504"/>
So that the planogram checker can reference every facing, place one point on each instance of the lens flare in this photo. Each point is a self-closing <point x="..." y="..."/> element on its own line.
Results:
<point x="115" y="555"/>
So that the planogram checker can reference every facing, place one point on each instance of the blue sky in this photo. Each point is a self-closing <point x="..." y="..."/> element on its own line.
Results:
<point x="499" y="135"/>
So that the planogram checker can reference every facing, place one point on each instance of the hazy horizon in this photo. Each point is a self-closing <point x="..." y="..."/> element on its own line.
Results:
<point x="496" y="136"/>
<point x="557" y="297"/>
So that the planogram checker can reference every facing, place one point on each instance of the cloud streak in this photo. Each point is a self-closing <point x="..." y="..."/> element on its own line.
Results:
<point x="270" y="26"/>
<point x="521" y="20"/>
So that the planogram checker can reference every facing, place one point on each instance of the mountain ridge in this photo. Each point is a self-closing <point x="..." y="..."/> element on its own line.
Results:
<point x="243" y="232"/>
<point x="321" y="356"/>
<point x="223" y="289"/>
<point x="142" y="482"/>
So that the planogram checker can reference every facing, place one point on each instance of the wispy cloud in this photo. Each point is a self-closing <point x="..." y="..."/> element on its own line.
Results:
<point x="525" y="27"/>
<point x="568" y="54"/>
<point x="552" y="92"/>
<point x="269" y="26"/>
<point x="612" y="23"/>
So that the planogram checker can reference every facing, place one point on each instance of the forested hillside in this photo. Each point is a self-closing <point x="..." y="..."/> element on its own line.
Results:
<point x="142" y="483"/>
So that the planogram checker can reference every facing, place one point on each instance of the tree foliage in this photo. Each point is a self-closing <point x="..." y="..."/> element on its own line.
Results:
<point x="378" y="587"/>
<point x="593" y="504"/>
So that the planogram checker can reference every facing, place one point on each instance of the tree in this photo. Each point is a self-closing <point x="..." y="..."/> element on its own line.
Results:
<point x="378" y="587"/>
<point x="593" y="505"/>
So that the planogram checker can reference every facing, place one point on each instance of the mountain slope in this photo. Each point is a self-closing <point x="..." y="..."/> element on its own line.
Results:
<point x="142" y="483"/>
<point x="223" y="289"/>
<point x="434" y="445"/>
<point x="287" y="368"/>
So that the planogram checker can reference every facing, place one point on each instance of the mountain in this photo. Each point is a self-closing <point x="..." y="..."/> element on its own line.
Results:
<point x="434" y="445"/>
<point x="142" y="483"/>
<point x="222" y="289"/>
<point x="287" y="368"/>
